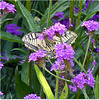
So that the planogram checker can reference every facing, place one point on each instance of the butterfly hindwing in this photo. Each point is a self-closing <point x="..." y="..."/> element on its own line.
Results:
<point x="68" y="38"/>
<point x="71" y="37"/>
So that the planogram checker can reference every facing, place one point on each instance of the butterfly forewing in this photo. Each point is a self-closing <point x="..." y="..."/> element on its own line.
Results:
<point x="32" y="42"/>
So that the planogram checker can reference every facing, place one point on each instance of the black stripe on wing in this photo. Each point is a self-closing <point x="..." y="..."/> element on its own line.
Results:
<point x="69" y="37"/>
<point x="30" y="46"/>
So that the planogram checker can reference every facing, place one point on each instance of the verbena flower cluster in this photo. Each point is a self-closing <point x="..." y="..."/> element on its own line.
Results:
<point x="63" y="52"/>
<point x="57" y="65"/>
<point x="14" y="29"/>
<point x="52" y="31"/>
<point x="6" y="7"/>
<point x="91" y="25"/>
<point x="31" y="96"/>
<point x="58" y="17"/>
<point x="1" y="65"/>
<point x="37" y="55"/>
<point x="82" y="80"/>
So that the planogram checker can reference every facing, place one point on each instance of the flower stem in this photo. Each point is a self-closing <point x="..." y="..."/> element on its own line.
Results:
<point x="79" y="14"/>
<point x="87" y="51"/>
<point x="80" y="65"/>
<point x="56" y="76"/>
<point x="57" y="80"/>
<point x="71" y="12"/>
<point x="50" y="4"/>
<point x="85" y="95"/>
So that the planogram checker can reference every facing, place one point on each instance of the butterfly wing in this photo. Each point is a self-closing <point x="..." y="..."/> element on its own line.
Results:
<point x="32" y="42"/>
<point x="69" y="37"/>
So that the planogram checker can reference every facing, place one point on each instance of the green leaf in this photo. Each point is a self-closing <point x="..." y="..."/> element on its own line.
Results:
<point x="64" y="92"/>
<point x="10" y="37"/>
<point x="97" y="88"/>
<point x="93" y="7"/>
<point x="58" y="6"/>
<point x="25" y="70"/>
<point x="21" y="88"/>
<point x="36" y="83"/>
<point x="33" y="26"/>
<point x="19" y="49"/>
<point x="7" y="19"/>
<point x="44" y="83"/>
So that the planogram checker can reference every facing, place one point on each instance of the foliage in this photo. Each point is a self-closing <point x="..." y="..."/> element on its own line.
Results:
<point x="15" y="74"/>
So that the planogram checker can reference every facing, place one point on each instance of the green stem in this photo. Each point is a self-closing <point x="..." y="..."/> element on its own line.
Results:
<point x="79" y="14"/>
<point x="71" y="12"/>
<point x="87" y="51"/>
<point x="51" y="63"/>
<point x="80" y="65"/>
<point x="49" y="13"/>
<point x="85" y="95"/>
<point x="56" y="76"/>
<point x="57" y="80"/>
<point x="28" y="5"/>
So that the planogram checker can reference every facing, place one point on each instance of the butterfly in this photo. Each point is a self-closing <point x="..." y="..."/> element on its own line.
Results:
<point x="32" y="42"/>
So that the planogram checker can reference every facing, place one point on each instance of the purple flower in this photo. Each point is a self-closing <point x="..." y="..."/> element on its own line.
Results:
<point x="31" y="96"/>
<point x="1" y="65"/>
<point x="91" y="25"/>
<point x="3" y="53"/>
<point x="82" y="80"/>
<point x="87" y="3"/>
<point x="37" y="55"/>
<point x="64" y="52"/>
<point x="66" y="22"/>
<point x="55" y="21"/>
<point x="94" y="62"/>
<point x="63" y="21"/>
<point x="96" y="50"/>
<point x="1" y="93"/>
<point x="93" y="41"/>
<point x="5" y="58"/>
<point x="3" y="5"/>
<point x="95" y="17"/>
<point x="62" y="77"/>
<point x="58" y="65"/>
<point x="52" y="31"/>
<point x="22" y="61"/>
<point x="6" y="7"/>
<point x="77" y="9"/>
<point x="58" y="15"/>
<point x="14" y="29"/>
